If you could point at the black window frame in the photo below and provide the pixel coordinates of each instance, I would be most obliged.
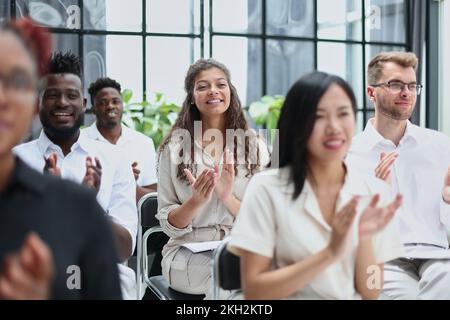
(431, 114)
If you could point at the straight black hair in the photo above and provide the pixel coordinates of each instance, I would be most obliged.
(297, 120)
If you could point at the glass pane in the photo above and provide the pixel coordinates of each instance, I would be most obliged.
(371, 52)
(173, 16)
(168, 60)
(385, 20)
(113, 15)
(290, 17)
(118, 57)
(50, 13)
(244, 63)
(4, 11)
(246, 16)
(359, 122)
(65, 42)
(94, 60)
(339, 19)
(287, 61)
(344, 60)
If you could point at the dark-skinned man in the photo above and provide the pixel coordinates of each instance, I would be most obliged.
(107, 106)
(63, 150)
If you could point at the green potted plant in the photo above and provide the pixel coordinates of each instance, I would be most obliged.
(266, 112)
(153, 118)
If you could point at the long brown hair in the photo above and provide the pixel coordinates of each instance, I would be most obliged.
(234, 116)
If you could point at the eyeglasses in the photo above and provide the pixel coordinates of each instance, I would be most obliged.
(18, 82)
(396, 87)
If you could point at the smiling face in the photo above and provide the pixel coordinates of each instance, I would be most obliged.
(396, 106)
(333, 128)
(108, 108)
(62, 105)
(212, 92)
(18, 78)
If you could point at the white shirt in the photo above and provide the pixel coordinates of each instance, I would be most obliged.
(117, 194)
(135, 146)
(418, 174)
(272, 224)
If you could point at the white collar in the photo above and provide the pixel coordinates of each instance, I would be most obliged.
(353, 185)
(95, 134)
(370, 137)
(44, 143)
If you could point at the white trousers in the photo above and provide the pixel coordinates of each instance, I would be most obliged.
(127, 282)
(410, 279)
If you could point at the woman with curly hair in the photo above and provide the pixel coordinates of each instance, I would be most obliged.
(205, 163)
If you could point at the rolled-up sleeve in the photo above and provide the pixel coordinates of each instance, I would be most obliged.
(167, 196)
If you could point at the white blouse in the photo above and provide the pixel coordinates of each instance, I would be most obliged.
(270, 223)
(213, 220)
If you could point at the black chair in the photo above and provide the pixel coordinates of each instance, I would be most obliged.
(147, 209)
(150, 242)
(226, 271)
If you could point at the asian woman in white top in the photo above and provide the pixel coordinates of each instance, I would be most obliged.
(203, 170)
(314, 229)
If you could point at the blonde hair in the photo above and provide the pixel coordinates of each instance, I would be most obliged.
(375, 68)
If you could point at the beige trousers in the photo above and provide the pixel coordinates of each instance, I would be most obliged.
(192, 273)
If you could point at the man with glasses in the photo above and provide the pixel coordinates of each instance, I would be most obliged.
(414, 161)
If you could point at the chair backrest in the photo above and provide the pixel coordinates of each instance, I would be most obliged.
(148, 207)
(226, 270)
(149, 231)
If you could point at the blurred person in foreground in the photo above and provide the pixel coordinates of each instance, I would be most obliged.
(54, 240)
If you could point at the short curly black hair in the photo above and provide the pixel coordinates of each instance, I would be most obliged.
(66, 62)
(100, 84)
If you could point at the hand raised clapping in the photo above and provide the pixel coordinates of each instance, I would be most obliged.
(93, 175)
(225, 181)
(28, 273)
(50, 165)
(384, 168)
(341, 225)
(202, 186)
(373, 219)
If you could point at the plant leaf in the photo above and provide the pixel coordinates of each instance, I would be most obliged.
(127, 94)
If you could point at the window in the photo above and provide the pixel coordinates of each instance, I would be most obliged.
(444, 76)
(147, 45)
(276, 42)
